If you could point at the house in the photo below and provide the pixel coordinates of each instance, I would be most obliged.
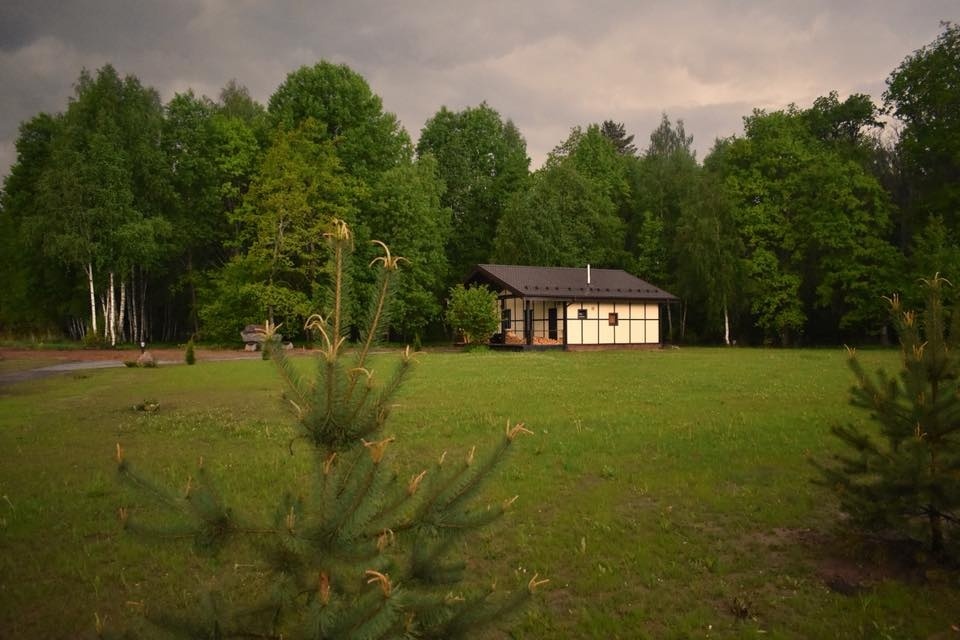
(574, 308)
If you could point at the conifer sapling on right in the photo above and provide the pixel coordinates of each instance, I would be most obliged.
(901, 474)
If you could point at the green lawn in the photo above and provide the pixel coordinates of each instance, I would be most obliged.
(666, 494)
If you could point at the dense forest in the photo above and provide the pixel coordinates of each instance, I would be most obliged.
(127, 219)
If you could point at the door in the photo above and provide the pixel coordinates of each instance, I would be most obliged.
(552, 323)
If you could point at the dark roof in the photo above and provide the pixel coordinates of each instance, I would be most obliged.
(567, 283)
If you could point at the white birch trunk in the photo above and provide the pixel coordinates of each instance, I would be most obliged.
(669, 323)
(123, 307)
(726, 323)
(93, 297)
(132, 301)
(143, 308)
(112, 310)
(104, 316)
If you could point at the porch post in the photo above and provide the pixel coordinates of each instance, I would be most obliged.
(527, 322)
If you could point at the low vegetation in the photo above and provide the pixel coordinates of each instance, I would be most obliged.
(666, 494)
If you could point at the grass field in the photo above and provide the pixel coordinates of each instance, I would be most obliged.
(666, 494)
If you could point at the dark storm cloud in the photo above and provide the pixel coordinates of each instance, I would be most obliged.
(546, 65)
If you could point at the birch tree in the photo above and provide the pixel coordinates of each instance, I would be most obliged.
(104, 190)
(709, 250)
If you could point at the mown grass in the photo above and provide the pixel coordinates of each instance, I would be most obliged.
(666, 494)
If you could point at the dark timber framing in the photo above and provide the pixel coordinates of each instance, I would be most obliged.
(574, 308)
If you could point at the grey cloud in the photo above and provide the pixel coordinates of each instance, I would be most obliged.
(546, 65)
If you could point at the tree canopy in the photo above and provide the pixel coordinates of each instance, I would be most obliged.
(131, 219)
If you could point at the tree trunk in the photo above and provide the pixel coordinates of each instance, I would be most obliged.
(112, 310)
(936, 530)
(669, 323)
(143, 307)
(683, 323)
(93, 297)
(123, 308)
(193, 295)
(132, 303)
(104, 316)
(726, 323)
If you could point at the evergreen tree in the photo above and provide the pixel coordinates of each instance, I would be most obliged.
(365, 554)
(908, 479)
(617, 134)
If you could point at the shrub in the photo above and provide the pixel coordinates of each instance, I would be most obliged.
(190, 357)
(472, 312)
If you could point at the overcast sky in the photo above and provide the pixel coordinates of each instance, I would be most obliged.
(547, 65)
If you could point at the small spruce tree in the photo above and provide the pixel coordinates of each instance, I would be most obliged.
(901, 474)
(190, 356)
(366, 554)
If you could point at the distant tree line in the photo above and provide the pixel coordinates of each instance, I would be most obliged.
(127, 219)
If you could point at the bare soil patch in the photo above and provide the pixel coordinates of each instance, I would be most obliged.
(101, 355)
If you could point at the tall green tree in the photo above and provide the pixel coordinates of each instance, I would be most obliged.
(239, 135)
(563, 219)
(663, 179)
(38, 294)
(197, 216)
(595, 156)
(568, 214)
(406, 212)
(482, 161)
(368, 140)
(105, 191)
(923, 92)
(281, 271)
(213, 150)
(709, 253)
(845, 123)
(815, 226)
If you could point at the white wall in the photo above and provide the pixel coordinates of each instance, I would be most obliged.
(636, 323)
(541, 314)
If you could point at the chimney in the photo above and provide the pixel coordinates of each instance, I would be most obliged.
(588, 274)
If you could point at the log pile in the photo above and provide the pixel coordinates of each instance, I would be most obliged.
(512, 338)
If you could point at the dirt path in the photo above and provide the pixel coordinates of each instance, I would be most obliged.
(67, 360)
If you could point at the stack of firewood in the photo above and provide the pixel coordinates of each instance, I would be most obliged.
(511, 338)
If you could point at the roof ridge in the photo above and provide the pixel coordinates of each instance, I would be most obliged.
(530, 266)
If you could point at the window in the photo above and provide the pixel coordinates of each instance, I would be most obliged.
(505, 320)
(613, 319)
(581, 314)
